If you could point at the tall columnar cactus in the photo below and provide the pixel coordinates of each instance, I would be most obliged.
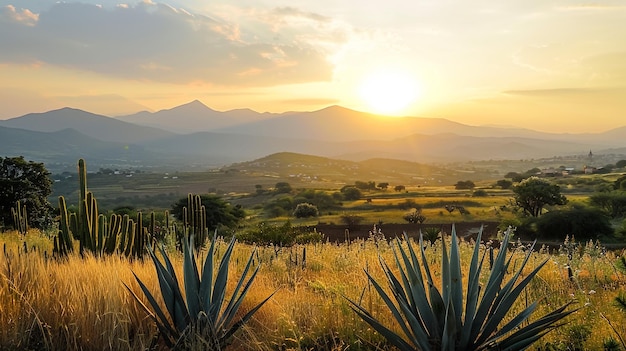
(63, 242)
(197, 220)
(20, 218)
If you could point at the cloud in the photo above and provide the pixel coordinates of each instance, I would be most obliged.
(157, 42)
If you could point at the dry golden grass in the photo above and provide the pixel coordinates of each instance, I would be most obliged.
(81, 303)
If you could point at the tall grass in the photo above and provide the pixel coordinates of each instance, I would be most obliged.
(81, 303)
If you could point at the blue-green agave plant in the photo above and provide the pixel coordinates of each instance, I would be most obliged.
(446, 320)
(202, 316)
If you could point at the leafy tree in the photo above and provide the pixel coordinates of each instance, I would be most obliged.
(321, 199)
(365, 185)
(620, 164)
(613, 203)
(351, 220)
(218, 211)
(399, 188)
(351, 193)
(533, 194)
(305, 210)
(583, 223)
(28, 182)
(282, 188)
(383, 185)
(504, 183)
(281, 206)
(464, 184)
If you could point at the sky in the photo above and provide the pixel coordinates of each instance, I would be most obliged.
(549, 65)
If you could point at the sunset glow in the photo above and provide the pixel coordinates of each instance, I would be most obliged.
(549, 66)
(389, 93)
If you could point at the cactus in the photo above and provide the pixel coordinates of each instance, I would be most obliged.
(20, 218)
(96, 234)
(63, 241)
(196, 220)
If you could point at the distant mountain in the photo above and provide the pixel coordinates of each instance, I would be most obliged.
(67, 146)
(90, 124)
(334, 132)
(194, 117)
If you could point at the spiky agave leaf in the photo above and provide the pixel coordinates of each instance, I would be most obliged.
(479, 326)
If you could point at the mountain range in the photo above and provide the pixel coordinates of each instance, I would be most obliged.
(196, 135)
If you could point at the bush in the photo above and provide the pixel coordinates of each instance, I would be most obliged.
(305, 210)
(583, 223)
(351, 193)
(479, 193)
(415, 216)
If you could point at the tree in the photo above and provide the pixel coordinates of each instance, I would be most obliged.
(383, 185)
(620, 164)
(351, 220)
(504, 183)
(371, 185)
(464, 184)
(533, 194)
(612, 203)
(29, 183)
(282, 188)
(351, 193)
(218, 211)
(305, 210)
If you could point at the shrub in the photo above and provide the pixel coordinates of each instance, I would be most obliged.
(415, 216)
(583, 223)
(305, 210)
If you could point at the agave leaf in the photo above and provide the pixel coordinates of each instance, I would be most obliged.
(171, 294)
(206, 283)
(411, 316)
(245, 318)
(236, 297)
(448, 339)
(508, 286)
(388, 334)
(415, 288)
(392, 307)
(473, 292)
(509, 298)
(418, 289)
(191, 279)
(493, 288)
(544, 323)
(158, 316)
(456, 281)
(219, 285)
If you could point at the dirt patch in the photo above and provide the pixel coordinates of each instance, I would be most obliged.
(341, 233)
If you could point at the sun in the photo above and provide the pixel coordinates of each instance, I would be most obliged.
(389, 93)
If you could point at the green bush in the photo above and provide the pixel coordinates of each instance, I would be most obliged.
(583, 223)
(306, 210)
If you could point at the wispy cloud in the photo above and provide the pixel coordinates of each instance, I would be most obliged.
(158, 42)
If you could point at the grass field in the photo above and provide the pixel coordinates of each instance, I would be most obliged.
(81, 303)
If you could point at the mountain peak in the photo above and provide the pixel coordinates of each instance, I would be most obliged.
(195, 105)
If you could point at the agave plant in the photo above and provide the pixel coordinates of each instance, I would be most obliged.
(446, 320)
(201, 316)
